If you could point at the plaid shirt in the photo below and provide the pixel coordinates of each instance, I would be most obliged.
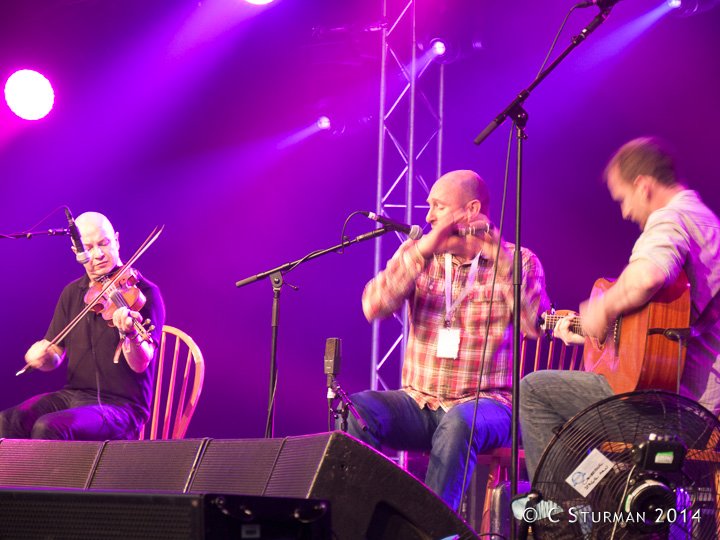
(442, 382)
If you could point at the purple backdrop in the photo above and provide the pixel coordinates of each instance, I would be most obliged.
(186, 113)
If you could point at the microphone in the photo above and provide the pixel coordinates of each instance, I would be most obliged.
(333, 354)
(413, 231)
(81, 254)
(602, 4)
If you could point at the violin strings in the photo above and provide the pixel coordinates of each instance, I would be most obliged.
(110, 283)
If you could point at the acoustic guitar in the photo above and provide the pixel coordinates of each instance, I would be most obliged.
(637, 354)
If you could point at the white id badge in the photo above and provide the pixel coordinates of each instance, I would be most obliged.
(448, 342)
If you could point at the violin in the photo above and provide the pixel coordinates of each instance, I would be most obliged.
(104, 293)
(107, 295)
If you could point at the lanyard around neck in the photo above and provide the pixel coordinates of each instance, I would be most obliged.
(450, 306)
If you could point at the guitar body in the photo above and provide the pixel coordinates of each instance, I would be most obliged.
(631, 358)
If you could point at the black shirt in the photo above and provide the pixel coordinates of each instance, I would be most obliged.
(91, 345)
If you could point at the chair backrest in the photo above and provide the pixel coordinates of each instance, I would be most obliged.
(548, 352)
(543, 352)
(179, 378)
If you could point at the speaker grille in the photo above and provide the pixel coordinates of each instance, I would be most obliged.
(144, 465)
(33, 463)
(297, 466)
(370, 496)
(237, 466)
(90, 516)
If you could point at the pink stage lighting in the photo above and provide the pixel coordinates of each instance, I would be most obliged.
(258, 2)
(438, 47)
(29, 94)
(323, 123)
(687, 8)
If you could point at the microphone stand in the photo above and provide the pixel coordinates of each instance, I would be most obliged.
(515, 106)
(276, 277)
(29, 235)
(346, 404)
(519, 118)
(682, 336)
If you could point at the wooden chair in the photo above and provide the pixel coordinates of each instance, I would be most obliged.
(536, 354)
(178, 383)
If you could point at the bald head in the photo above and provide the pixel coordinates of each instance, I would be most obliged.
(101, 241)
(94, 220)
(462, 186)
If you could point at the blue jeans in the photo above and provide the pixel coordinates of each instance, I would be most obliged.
(395, 421)
(68, 415)
(550, 398)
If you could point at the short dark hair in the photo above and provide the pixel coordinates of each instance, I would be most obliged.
(644, 156)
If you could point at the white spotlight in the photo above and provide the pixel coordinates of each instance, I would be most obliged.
(323, 122)
(438, 47)
(29, 94)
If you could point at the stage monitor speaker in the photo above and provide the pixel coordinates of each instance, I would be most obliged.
(62, 464)
(237, 466)
(371, 497)
(165, 465)
(60, 515)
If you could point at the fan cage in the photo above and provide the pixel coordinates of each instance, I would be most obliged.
(624, 497)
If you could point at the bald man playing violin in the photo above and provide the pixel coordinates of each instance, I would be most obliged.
(109, 368)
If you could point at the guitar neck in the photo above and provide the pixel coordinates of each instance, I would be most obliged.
(575, 324)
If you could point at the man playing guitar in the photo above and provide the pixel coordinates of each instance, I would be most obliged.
(679, 233)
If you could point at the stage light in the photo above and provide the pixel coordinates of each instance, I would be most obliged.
(258, 2)
(438, 47)
(686, 8)
(448, 29)
(323, 123)
(29, 94)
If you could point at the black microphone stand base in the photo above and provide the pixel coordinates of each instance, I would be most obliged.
(335, 391)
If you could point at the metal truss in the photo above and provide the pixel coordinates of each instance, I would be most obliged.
(409, 159)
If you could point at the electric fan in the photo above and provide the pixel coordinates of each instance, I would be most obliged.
(642, 465)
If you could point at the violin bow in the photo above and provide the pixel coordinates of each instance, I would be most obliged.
(110, 283)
